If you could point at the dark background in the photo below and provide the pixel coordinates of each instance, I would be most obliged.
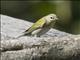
(68, 12)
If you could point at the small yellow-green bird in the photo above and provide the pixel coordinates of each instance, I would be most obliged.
(41, 26)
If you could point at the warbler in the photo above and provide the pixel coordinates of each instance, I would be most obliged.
(42, 26)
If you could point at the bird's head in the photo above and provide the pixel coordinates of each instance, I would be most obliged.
(51, 17)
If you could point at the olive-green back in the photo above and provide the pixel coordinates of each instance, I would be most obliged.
(39, 24)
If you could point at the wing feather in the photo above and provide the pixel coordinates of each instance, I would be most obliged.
(39, 24)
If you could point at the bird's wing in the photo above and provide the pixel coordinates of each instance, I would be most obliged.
(39, 24)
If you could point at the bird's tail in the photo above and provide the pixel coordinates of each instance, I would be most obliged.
(24, 34)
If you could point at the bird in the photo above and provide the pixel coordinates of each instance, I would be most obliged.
(41, 26)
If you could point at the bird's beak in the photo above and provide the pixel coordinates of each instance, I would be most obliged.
(56, 18)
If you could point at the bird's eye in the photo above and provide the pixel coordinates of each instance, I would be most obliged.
(51, 17)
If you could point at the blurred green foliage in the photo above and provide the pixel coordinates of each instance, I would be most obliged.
(28, 10)
(67, 11)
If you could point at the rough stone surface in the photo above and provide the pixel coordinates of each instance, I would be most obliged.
(54, 45)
